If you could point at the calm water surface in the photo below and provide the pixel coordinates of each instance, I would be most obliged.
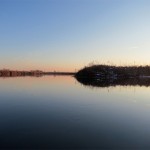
(60, 113)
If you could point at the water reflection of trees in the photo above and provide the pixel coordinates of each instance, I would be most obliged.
(120, 82)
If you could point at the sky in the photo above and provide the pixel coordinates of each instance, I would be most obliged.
(66, 35)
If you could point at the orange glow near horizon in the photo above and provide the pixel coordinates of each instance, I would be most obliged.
(59, 66)
(65, 67)
(46, 68)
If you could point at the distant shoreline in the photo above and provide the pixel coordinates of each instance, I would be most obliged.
(15, 73)
(59, 73)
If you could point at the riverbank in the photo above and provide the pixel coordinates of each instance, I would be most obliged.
(104, 72)
(105, 76)
(12, 73)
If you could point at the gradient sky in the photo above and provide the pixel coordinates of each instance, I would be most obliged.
(65, 35)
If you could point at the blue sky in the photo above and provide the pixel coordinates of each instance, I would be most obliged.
(68, 34)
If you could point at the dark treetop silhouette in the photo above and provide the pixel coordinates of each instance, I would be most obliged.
(104, 75)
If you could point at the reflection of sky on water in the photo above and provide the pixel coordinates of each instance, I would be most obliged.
(56, 112)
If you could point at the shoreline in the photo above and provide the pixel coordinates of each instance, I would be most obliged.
(105, 76)
(106, 72)
(12, 73)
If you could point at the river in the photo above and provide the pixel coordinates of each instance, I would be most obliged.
(58, 112)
